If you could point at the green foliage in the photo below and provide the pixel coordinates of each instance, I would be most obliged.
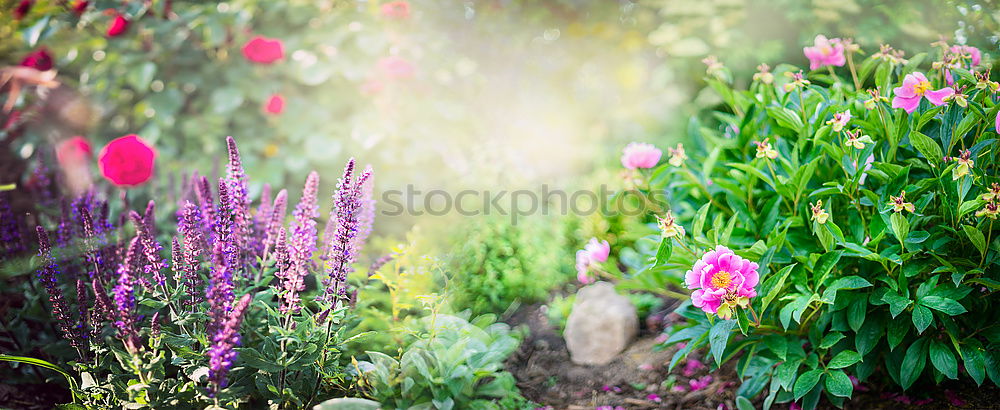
(496, 263)
(454, 364)
(883, 271)
(558, 310)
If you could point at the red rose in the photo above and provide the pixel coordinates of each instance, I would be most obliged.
(73, 151)
(399, 10)
(39, 59)
(118, 26)
(275, 105)
(23, 8)
(80, 6)
(127, 161)
(264, 50)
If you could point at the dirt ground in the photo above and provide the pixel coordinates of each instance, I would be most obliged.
(635, 380)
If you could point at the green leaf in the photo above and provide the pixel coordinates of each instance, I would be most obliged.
(830, 339)
(927, 146)
(869, 334)
(742, 403)
(849, 282)
(922, 318)
(663, 252)
(806, 382)
(976, 236)
(825, 264)
(772, 287)
(838, 384)
(785, 117)
(900, 226)
(785, 373)
(897, 331)
(844, 359)
(975, 365)
(718, 337)
(896, 303)
(141, 75)
(913, 363)
(943, 304)
(943, 359)
(42, 363)
(225, 100)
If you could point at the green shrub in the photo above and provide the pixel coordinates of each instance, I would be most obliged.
(496, 263)
(875, 244)
(455, 364)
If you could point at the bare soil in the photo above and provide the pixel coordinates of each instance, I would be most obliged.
(635, 380)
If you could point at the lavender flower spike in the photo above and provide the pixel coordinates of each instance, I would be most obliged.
(276, 218)
(222, 354)
(302, 244)
(153, 262)
(239, 198)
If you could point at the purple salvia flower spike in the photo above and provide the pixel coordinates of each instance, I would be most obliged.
(190, 227)
(153, 264)
(302, 243)
(343, 252)
(240, 200)
(124, 300)
(222, 353)
(276, 218)
(10, 230)
(48, 274)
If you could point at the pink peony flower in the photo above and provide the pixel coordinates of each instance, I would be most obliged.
(916, 86)
(396, 67)
(275, 104)
(700, 383)
(594, 252)
(692, 366)
(127, 161)
(39, 59)
(118, 26)
(974, 55)
(263, 50)
(721, 280)
(825, 52)
(73, 152)
(398, 10)
(640, 155)
(997, 121)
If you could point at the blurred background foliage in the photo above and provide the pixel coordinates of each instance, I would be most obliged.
(498, 94)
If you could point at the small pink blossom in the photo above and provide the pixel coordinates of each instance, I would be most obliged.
(997, 123)
(640, 155)
(794, 406)
(721, 281)
(396, 10)
(916, 86)
(645, 367)
(700, 383)
(653, 397)
(840, 120)
(825, 52)
(275, 104)
(974, 55)
(593, 253)
(396, 67)
(692, 366)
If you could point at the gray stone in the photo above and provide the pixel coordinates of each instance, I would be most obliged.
(601, 325)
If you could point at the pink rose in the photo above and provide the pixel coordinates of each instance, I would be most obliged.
(275, 104)
(73, 152)
(127, 161)
(118, 26)
(398, 10)
(593, 253)
(263, 50)
(39, 59)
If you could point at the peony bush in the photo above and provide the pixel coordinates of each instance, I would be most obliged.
(836, 226)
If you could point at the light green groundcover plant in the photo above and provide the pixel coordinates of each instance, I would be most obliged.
(873, 231)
